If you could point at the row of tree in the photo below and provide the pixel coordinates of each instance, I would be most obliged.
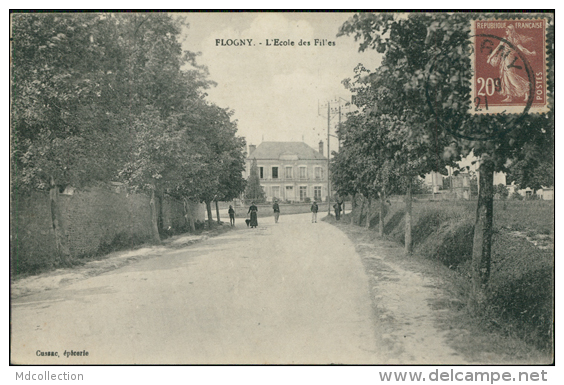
(113, 97)
(413, 119)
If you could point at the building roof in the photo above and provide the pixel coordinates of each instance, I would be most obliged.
(277, 150)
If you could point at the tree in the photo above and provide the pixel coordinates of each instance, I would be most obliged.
(361, 166)
(223, 152)
(254, 190)
(158, 151)
(231, 159)
(431, 99)
(101, 97)
(502, 191)
(534, 163)
(407, 140)
(164, 100)
(60, 133)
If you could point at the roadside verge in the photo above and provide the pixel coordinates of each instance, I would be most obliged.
(65, 276)
(421, 310)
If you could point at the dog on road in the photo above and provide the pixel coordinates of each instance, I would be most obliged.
(248, 222)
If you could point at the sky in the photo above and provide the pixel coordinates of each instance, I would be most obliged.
(275, 90)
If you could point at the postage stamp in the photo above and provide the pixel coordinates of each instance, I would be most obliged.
(509, 66)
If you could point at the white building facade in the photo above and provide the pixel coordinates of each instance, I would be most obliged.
(290, 171)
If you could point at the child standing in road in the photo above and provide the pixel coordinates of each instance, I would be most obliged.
(276, 209)
(231, 215)
(314, 210)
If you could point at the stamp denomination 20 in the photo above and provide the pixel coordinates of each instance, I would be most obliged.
(509, 66)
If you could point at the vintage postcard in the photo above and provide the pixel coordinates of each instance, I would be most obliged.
(232, 188)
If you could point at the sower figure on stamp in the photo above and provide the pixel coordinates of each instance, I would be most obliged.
(231, 215)
(504, 57)
(276, 209)
(253, 211)
(314, 209)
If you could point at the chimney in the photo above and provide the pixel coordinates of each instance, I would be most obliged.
(321, 147)
(252, 148)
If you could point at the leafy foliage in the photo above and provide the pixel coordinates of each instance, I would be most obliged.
(99, 97)
(429, 97)
(502, 191)
(416, 108)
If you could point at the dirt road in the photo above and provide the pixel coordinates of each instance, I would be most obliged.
(292, 292)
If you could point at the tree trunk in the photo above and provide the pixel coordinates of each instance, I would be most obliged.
(483, 229)
(381, 219)
(217, 211)
(160, 216)
(408, 206)
(154, 218)
(57, 222)
(360, 208)
(210, 219)
(368, 204)
(353, 209)
(188, 215)
(192, 224)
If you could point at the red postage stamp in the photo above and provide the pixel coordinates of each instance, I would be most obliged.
(509, 66)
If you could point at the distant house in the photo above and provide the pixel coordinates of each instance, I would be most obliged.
(545, 193)
(460, 186)
(434, 180)
(499, 178)
(290, 171)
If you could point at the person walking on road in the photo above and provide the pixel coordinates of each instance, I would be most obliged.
(253, 211)
(276, 209)
(231, 215)
(337, 207)
(314, 209)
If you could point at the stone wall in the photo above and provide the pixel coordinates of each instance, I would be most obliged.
(32, 239)
(95, 220)
(98, 215)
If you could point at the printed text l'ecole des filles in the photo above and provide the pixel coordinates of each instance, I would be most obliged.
(273, 43)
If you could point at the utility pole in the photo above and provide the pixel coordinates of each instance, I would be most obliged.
(338, 138)
(338, 101)
(328, 158)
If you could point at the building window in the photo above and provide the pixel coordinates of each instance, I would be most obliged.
(261, 172)
(289, 193)
(318, 173)
(303, 193)
(276, 191)
(303, 172)
(274, 172)
(317, 193)
(288, 172)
